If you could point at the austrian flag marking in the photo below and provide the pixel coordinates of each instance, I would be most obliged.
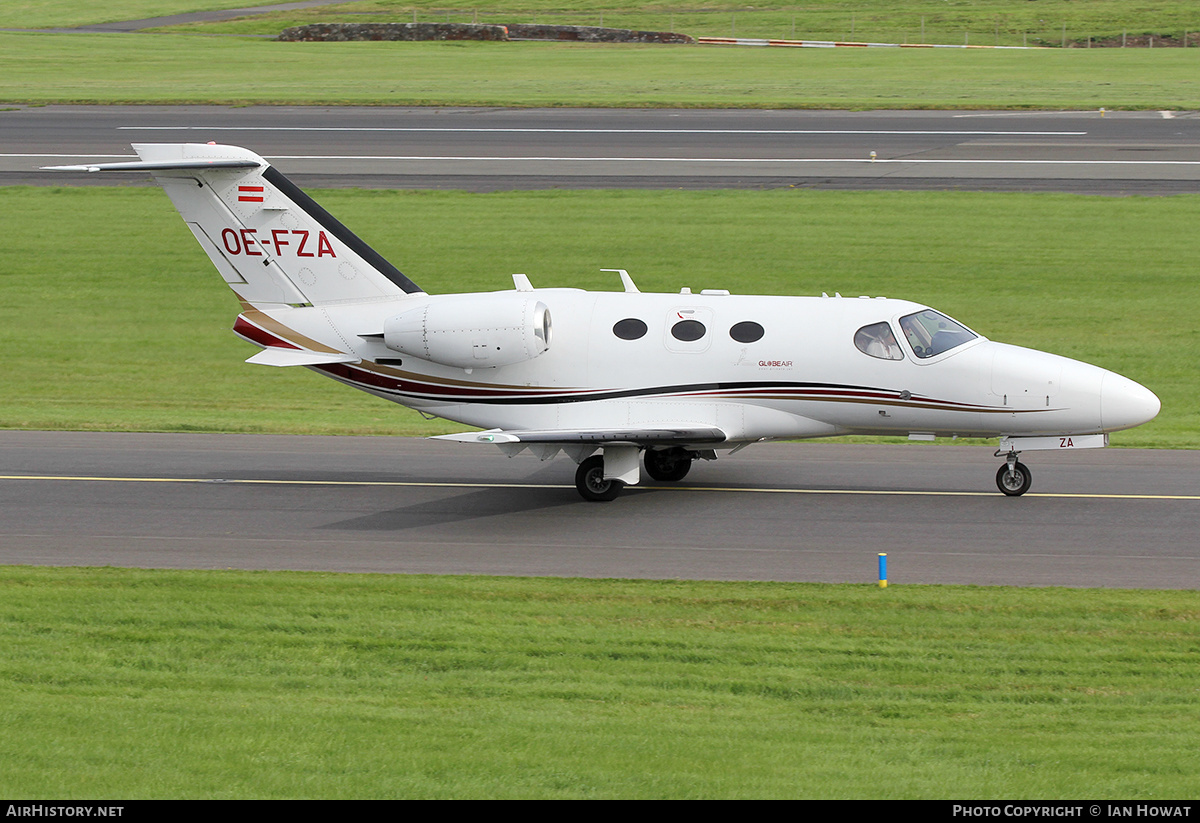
(250, 194)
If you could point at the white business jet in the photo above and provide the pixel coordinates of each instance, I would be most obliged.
(617, 378)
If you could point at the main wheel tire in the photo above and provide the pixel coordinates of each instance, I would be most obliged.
(1016, 482)
(589, 480)
(668, 465)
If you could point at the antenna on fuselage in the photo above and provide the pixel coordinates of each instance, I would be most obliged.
(630, 286)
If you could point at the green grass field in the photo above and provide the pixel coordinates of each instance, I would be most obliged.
(141, 68)
(121, 323)
(984, 22)
(136, 684)
(178, 68)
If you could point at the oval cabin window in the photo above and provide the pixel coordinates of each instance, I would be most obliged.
(688, 330)
(629, 329)
(746, 332)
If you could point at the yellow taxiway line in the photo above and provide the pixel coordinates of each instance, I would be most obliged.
(481, 485)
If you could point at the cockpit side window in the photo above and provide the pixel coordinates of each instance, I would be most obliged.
(930, 333)
(877, 340)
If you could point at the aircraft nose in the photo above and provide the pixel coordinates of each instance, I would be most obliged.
(1125, 404)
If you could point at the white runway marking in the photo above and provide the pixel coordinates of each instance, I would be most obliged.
(73, 156)
(402, 158)
(878, 161)
(1027, 114)
(445, 129)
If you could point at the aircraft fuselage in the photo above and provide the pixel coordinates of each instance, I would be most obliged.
(803, 377)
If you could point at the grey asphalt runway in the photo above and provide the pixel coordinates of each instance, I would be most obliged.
(487, 149)
(786, 511)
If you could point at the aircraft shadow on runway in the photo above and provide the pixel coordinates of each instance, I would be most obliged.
(471, 505)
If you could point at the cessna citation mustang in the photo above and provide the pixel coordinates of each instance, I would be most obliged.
(618, 376)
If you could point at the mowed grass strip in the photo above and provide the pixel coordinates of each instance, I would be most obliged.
(140, 68)
(979, 22)
(984, 22)
(132, 683)
(117, 321)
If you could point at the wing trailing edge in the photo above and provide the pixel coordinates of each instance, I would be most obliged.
(680, 434)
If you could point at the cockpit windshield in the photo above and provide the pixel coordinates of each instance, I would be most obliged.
(930, 333)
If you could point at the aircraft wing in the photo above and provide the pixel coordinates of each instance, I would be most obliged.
(663, 435)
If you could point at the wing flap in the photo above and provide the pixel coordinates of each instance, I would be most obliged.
(667, 434)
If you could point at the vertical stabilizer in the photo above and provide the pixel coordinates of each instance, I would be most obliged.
(270, 241)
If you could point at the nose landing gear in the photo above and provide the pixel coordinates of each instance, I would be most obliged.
(1014, 477)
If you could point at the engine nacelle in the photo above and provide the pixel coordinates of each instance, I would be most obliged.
(472, 331)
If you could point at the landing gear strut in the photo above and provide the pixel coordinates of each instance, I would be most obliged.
(601, 477)
(1014, 477)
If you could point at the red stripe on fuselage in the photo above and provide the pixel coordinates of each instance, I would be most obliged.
(262, 337)
(368, 377)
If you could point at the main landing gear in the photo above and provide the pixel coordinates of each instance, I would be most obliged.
(589, 480)
(1014, 477)
(668, 465)
(665, 465)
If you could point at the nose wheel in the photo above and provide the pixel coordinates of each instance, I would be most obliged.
(1014, 477)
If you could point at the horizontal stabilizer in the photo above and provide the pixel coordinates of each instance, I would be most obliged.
(649, 436)
(149, 165)
(299, 357)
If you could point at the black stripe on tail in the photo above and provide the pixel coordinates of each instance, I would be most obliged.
(334, 227)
